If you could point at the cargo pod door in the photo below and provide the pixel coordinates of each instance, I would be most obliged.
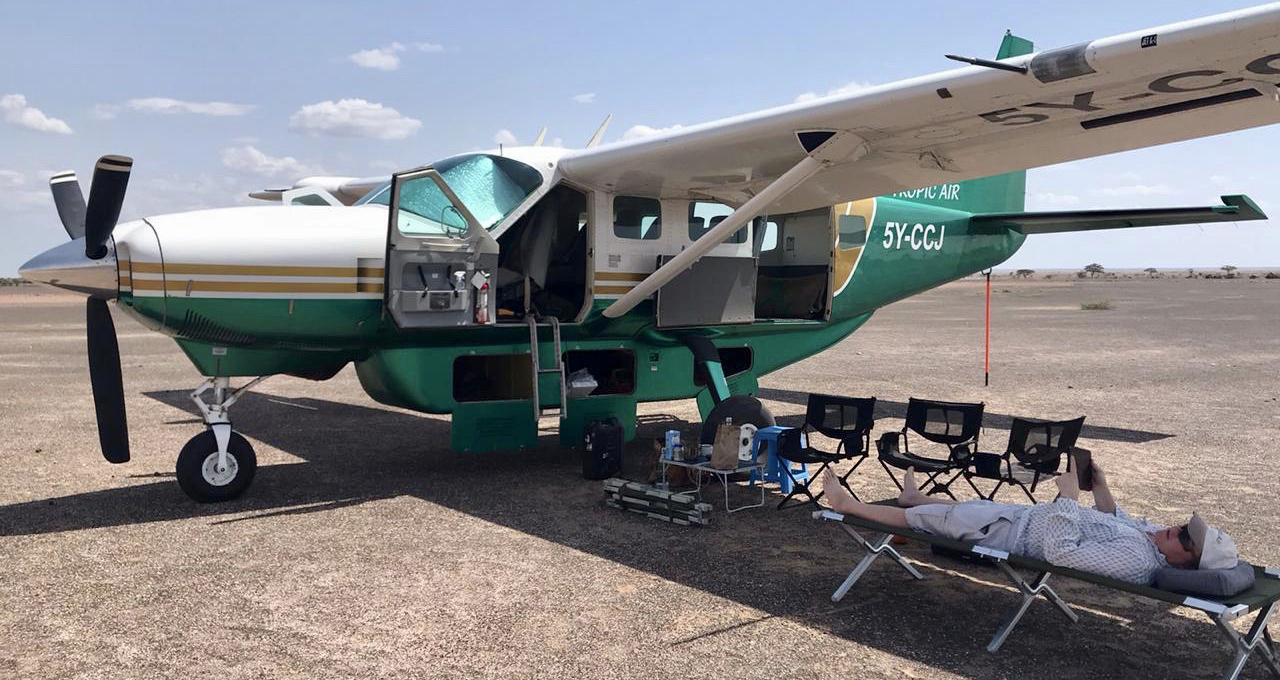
(720, 288)
(440, 255)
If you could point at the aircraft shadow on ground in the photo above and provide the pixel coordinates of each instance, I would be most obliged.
(781, 563)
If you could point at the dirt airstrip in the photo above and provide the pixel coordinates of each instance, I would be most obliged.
(367, 549)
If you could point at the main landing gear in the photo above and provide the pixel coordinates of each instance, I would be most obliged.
(217, 464)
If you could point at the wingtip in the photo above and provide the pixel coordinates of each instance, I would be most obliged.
(1245, 207)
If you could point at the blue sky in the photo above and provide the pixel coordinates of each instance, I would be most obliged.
(214, 99)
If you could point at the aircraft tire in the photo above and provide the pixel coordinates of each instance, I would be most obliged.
(742, 409)
(200, 480)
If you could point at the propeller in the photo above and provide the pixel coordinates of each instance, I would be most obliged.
(107, 382)
(106, 195)
(94, 223)
(70, 202)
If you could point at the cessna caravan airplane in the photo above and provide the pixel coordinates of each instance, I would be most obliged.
(505, 286)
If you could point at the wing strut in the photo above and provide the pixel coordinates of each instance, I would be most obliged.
(841, 147)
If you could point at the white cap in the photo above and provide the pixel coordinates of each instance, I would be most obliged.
(1217, 550)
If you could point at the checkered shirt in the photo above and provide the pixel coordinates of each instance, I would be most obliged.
(1117, 546)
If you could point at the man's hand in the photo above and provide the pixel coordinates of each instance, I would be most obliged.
(1068, 485)
(1099, 477)
(1102, 498)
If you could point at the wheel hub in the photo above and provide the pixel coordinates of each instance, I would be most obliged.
(210, 470)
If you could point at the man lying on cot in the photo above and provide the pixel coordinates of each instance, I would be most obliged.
(1105, 540)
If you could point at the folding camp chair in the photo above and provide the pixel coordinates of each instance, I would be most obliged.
(1260, 598)
(951, 424)
(1036, 451)
(848, 419)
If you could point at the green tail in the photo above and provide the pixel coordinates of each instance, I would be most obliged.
(1001, 193)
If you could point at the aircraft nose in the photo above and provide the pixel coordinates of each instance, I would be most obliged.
(66, 267)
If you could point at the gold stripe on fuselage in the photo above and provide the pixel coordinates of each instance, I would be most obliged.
(613, 290)
(621, 276)
(177, 268)
(181, 287)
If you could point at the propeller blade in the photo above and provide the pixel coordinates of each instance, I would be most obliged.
(108, 384)
(70, 202)
(106, 195)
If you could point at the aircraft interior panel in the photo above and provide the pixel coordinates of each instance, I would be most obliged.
(795, 266)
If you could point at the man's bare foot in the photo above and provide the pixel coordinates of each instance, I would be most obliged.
(911, 495)
(837, 496)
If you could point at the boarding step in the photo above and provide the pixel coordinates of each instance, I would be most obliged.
(538, 371)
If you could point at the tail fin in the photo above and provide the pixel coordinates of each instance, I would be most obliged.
(998, 194)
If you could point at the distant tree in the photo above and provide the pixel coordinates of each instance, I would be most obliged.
(1094, 269)
(1151, 271)
(1230, 269)
(1024, 273)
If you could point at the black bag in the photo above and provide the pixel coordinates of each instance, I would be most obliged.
(602, 449)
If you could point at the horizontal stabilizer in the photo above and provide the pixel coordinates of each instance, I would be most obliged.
(1234, 209)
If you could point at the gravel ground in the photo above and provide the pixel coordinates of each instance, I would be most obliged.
(366, 549)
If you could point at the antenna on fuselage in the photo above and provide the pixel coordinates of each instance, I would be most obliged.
(542, 134)
(599, 135)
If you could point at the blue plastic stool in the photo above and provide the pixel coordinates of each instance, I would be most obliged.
(773, 471)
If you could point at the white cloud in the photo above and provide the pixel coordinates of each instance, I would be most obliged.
(505, 137)
(1136, 190)
(353, 118)
(14, 109)
(429, 47)
(584, 98)
(836, 92)
(381, 58)
(1219, 180)
(168, 106)
(1050, 199)
(638, 131)
(181, 192)
(558, 142)
(15, 194)
(250, 160)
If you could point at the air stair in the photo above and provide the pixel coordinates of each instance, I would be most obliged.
(538, 371)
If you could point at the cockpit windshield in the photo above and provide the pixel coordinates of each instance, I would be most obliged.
(489, 186)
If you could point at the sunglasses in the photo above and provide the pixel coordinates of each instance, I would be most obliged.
(1184, 538)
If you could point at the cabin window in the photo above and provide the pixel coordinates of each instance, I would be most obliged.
(853, 231)
(636, 217)
(705, 215)
(767, 234)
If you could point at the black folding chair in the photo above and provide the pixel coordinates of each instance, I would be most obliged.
(1036, 451)
(847, 419)
(955, 425)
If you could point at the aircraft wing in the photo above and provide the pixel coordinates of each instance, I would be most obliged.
(1181, 81)
(1234, 209)
(348, 190)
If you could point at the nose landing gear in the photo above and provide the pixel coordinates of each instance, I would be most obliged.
(217, 464)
